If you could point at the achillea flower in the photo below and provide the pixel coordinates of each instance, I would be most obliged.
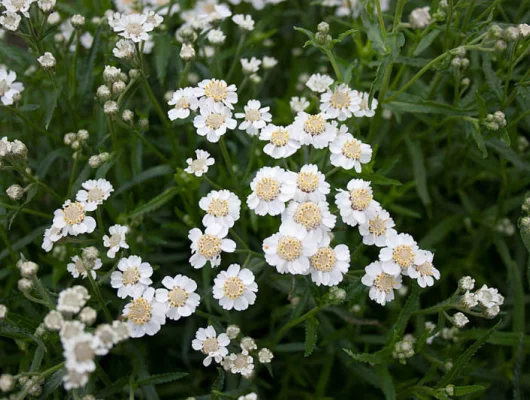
(381, 284)
(235, 288)
(179, 296)
(132, 277)
(212, 345)
(145, 315)
(222, 207)
(269, 193)
(209, 246)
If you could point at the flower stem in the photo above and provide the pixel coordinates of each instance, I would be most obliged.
(72, 176)
(236, 57)
(293, 323)
(99, 298)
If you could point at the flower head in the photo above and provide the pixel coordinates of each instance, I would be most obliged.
(179, 296)
(222, 207)
(357, 205)
(209, 245)
(283, 142)
(255, 117)
(210, 344)
(116, 240)
(314, 129)
(200, 165)
(269, 192)
(339, 103)
(213, 121)
(132, 277)
(319, 83)
(348, 152)
(381, 284)
(94, 193)
(183, 100)
(235, 288)
(145, 315)
(400, 254)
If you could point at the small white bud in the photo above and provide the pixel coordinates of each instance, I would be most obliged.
(7, 382)
(118, 88)
(15, 192)
(460, 320)
(232, 331)
(127, 116)
(466, 283)
(111, 74)
(25, 285)
(77, 21)
(103, 93)
(47, 60)
(28, 269)
(94, 161)
(110, 107)
(187, 52)
(82, 135)
(265, 356)
(3, 311)
(87, 315)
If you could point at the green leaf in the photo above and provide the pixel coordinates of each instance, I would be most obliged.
(400, 325)
(311, 335)
(52, 105)
(414, 104)
(373, 32)
(155, 203)
(464, 358)
(150, 173)
(15, 332)
(29, 107)
(440, 231)
(473, 130)
(219, 383)
(52, 383)
(426, 42)
(30, 194)
(160, 378)
(465, 390)
(377, 179)
(378, 357)
(88, 76)
(494, 82)
(162, 52)
(387, 384)
(306, 32)
(418, 166)
(114, 388)
(509, 154)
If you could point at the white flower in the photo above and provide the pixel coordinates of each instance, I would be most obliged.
(460, 320)
(94, 193)
(269, 62)
(269, 192)
(132, 26)
(319, 83)
(235, 288)
(153, 18)
(255, 116)
(80, 267)
(187, 52)
(214, 121)
(208, 246)
(420, 17)
(491, 312)
(340, 103)
(87, 315)
(217, 91)
(133, 277)
(328, 265)
(423, 269)
(314, 129)
(212, 345)
(47, 60)
(298, 104)
(248, 344)
(124, 49)
(364, 110)
(54, 320)
(116, 240)
(21, 6)
(283, 143)
(312, 217)
(144, 314)
(179, 296)
(232, 331)
(469, 300)
(46, 5)
(376, 230)
(70, 330)
(72, 300)
(86, 40)
(524, 30)
(199, 166)
(79, 353)
(211, 10)
(245, 22)
(489, 297)
(106, 338)
(308, 185)
(289, 250)
(265, 356)
(357, 204)
(381, 284)
(72, 219)
(9, 89)
(241, 363)
(466, 283)
(183, 100)
(222, 207)
(10, 21)
(75, 380)
(348, 152)
(399, 255)
(216, 36)
(51, 235)
(252, 395)
(250, 66)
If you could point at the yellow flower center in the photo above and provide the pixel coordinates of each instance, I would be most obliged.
(74, 213)
(377, 226)
(360, 199)
(307, 182)
(183, 103)
(95, 194)
(139, 311)
(252, 115)
(241, 361)
(315, 125)
(215, 121)
(134, 28)
(80, 266)
(340, 100)
(384, 282)
(209, 246)
(289, 248)
(218, 208)
(131, 276)
(210, 345)
(216, 90)
(403, 255)
(268, 189)
(177, 297)
(280, 137)
(324, 260)
(233, 288)
(425, 269)
(83, 351)
(309, 215)
(352, 149)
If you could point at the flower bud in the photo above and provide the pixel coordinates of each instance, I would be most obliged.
(25, 285)
(7, 382)
(496, 31)
(103, 93)
(127, 116)
(460, 320)
(94, 162)
(134, 74)
(82, 135)
(90, 253)
(77, 21)
(15, 192)
(28, 269)
(47, 60)
(118, 88)
(19, 149)
(511, 34)
(466, 283)
(3, 311)
(500, 46)
(46, 5)
(323, 27)
(111, 74)
(110, 107)
(187, 52)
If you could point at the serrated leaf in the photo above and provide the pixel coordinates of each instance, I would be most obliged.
(465, 390)
(311, 336)
(494, 82)
(473, 130)
(219, 383)
(378, 357)
(160, 378)
(14, 332)
(155, 203)
(426, 42)
(306, 32)
(401, 324)
(386, 382)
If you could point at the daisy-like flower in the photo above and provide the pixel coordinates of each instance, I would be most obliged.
(183, 101)
(124, 49)
(80, 352)
(423, 269)
(51, 235)
(283, 143)
(489, 297)
(9, 89)
(255, 117)
(116, 240)
(135, 27)
(179, 295)
(241, 363)
(314, 129)
(269, 192)
(250, 66)
(144, 314)
(211, 10)
(245, 22)
(133, 277)
(319, 83)
(72, 219)
(72, 300)
(20, 6)
(328, 265)
(308, 185)
(357, 204)
(269, 62)
(10, 21)
(339, 103)
(364, 110)
(200, 165)
(80, 267)
(289, 250)
(399, 255)
(298, 104)
(235, 288)
(213, 121)
(94, 193)
(348, 152)
(218, 91)
(209, 245)
(212, 345)
(222, 207)
(381, 284)
(376, 230)
(313, 217)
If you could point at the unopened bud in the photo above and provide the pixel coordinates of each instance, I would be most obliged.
(15, 192)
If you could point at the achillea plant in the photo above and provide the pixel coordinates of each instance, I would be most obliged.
(266, 199)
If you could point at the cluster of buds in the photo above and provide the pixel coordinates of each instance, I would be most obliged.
(460, 61)
(485, 300)
(30, 385)
(495, 121)
(322, 35)
(76, 140)
(505, 226)
(115, 85)
(46, 6)
(12, 151)
(441, 13)
(98, 160)
(404, 349)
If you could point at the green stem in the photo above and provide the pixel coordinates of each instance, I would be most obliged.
(228, 162)
(183, 81)
(100, 221)
(26, 210)
(380, 18)
(215, 185)
(99, 298)
(293, 323)
(43, 293)
(238, 238)
(334, 64)
(236, 56)
(152, 147)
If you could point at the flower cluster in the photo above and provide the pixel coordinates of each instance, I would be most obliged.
(485, 301)
(10, 90)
